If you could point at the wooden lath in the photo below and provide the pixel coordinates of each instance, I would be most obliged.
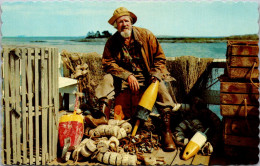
(30, 104)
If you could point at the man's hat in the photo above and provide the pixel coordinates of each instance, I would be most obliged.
(121, 11)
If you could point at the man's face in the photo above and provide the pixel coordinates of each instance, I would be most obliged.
(124, 26)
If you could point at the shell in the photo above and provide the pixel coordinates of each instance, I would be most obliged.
(101, 129)
(132, 159)
(112, 158)
(85, 152)
(121, 133)
(103, 146)
(127, 126)
(119, 159)
(91, 145)
(106, 157)
(113, 142)
(100, 156)
(125, 159)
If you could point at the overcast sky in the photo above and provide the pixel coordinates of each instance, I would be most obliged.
(175, 18)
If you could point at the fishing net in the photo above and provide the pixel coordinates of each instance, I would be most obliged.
(87, 69)
(191, 73)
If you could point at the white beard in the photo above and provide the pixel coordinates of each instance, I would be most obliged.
(126, 33)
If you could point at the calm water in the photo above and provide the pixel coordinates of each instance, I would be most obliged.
(202, 50)
(214, 50)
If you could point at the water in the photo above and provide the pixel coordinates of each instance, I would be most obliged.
(201, 50)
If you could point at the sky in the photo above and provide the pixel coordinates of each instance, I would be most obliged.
(172, 18)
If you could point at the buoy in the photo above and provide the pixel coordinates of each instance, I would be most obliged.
(195, 144)
(146, 104)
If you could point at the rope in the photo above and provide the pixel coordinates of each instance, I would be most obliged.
(213, 83)
(251, 73)
(247, 124)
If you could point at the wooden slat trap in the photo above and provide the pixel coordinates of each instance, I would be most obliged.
(30, 104)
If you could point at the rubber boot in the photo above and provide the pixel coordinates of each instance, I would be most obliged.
(168, 143)
(104, 109)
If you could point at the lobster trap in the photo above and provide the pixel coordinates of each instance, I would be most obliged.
(29, 105)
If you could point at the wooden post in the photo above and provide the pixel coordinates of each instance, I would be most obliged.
(13, 119)
(24, 105)
(36, 105)
(50, 102)
(29, 75)
(56, 101)
(43, 103)
(18, 108)
(7, 109)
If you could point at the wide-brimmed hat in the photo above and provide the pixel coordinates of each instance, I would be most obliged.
(121, 11)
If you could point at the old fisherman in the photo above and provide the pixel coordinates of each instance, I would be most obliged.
(133, 57)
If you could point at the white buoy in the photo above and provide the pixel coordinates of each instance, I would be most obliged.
(195, 144)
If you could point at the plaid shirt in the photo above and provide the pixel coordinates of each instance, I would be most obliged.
(133, 60)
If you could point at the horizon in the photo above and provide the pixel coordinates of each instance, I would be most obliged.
(155, 35)
(171, 18)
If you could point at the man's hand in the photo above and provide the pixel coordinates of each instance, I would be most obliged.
(133, 83)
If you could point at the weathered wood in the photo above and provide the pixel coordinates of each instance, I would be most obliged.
(252, 99)
(7, 108)
(241, 141)
(21, 97)
(241, 127)
(18, 109)
(29, 76)
(245, 73)
(56, 101)
(238, 87)
(50, 90)
(240, 61)
(239, 110)
(36, 92)
(243, 42)
(200, 160)
(24, 126)
(13, 109)
(44, 104)
(167, 156)
(244, 50)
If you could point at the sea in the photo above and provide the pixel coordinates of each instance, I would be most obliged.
(200, 50)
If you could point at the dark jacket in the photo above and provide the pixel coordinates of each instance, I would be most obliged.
(150, 49)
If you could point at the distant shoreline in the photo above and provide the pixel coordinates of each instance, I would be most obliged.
(172, 40)
(161, 39)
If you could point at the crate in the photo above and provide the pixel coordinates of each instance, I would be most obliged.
(30, 105)
(239, 95)
(242, 59)
(240, 137)
(238, 98)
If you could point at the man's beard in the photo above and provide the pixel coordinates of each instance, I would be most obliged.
(126, 33)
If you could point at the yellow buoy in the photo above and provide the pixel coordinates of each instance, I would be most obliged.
(146, 103)
(195, 144)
